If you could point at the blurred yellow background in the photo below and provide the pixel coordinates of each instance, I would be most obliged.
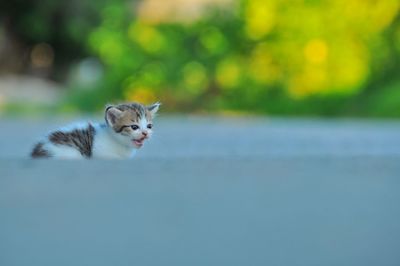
(306, 57)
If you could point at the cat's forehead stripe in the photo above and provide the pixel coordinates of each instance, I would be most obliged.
(137, 110)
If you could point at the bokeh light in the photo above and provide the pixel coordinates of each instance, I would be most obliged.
(245, 55)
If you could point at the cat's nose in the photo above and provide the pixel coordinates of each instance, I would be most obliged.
(145, 133)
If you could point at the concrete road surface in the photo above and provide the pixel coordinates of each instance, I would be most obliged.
(208, 191)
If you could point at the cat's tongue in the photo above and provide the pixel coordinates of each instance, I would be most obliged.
(138, 142)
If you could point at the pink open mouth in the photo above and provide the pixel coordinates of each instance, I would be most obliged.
(138, 142)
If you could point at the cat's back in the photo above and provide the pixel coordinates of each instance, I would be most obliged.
(72, 142)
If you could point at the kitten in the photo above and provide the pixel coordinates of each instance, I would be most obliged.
(126, 128)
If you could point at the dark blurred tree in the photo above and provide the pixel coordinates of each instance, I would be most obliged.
(63, 25)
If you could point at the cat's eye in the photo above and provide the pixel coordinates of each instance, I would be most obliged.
(135, 127)
(150, 126)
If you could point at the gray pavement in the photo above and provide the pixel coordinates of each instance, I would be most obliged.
(193, 137)
(208, 191)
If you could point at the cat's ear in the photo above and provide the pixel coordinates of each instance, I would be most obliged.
(112, 115)
(153, 108)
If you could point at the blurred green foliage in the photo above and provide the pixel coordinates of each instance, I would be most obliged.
(310, 57)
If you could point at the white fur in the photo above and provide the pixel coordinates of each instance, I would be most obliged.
(108, 145)
(62, 152)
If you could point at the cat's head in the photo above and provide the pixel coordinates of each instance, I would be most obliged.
(132, 123)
